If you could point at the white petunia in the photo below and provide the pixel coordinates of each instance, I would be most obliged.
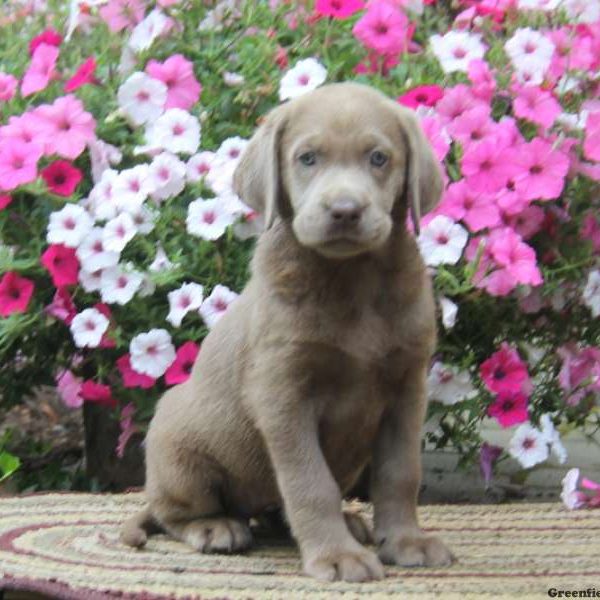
(161, 262)
(144, 219)
(528, 445)
(530, 70)
(448, 384)
(92, 254)
(152, 353)
(176, 131)
(146, 31)
(249, 226)
(208, 219)
(233, 79)
(546, 5)
(527, 43)
(442, 241)
(103, 203)
(306, 75)
(69, 226)
(456, 49)
(118, 285)
(220, 176)
(214, 307)
(168, 175)
(90, 280)
(88, 327)
(147, 288)
(591, 293)
(199, 165)
(553, 438)
(141, 98)
(571, 497)
(449, 311)
(132, 187)
(232, 148)
(582, 11)
(118, 232)
(188, 297)
(102, 156)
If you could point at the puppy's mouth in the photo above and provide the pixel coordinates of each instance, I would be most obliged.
(343, 247)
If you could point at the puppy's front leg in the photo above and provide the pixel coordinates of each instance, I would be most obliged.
(396, 477)
(310, 494)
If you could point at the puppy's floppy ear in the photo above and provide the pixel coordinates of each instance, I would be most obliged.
(257, 178)
(424, 184)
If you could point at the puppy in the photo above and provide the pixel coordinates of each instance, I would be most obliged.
(319, 367)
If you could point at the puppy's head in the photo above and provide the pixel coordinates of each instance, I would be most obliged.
(342, 163)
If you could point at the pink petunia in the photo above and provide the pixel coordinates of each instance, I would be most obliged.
(26, 128)
(41, 70)
(591, 143)
(436, 133)
(15, 293)
(49, 37)
(62, 264)
(580, 371)
(456, 101)
(181, 369)
(488, 455)
(590, 230)
(509, 409)
(422, 95)
(528, 222)
(177, 73)
(62, 306)
(66, 125)
(514, 255)
(61, 177)
(338, 9)
(504, 372)
(541, 170)
(383, 28)
(83, 76)
(128, 428)
(98, 393)
(122, 14)
(69, 389)
(8, 86)
(482, 78)
(478, 211)
(472, 126)
(18, 164)
(131, 378)
(536, 105)
(487, 165)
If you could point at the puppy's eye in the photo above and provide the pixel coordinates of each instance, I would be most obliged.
(378, 159)
(308, 159)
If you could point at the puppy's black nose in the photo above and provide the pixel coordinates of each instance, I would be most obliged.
(345, 212)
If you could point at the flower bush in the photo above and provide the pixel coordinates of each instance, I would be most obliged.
(122, 121)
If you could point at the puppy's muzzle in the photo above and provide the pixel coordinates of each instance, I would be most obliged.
(345, 215)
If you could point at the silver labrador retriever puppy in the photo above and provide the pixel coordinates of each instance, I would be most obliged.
(319, 367)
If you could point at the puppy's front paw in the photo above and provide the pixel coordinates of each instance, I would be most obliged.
(416, 551)
(353, 564)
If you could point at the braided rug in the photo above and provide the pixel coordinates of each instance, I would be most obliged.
(66, 546)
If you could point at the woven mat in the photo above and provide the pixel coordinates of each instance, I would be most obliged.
(66, 546)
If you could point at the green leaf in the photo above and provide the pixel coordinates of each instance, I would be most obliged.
(8, 465)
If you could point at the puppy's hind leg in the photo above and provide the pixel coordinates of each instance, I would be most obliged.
(190, 509)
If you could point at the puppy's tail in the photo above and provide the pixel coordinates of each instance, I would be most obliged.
(136, 529)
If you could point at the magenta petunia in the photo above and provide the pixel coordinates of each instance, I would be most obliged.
(181, 368)
(509, 409)
(62, 264)
(98, 393)
(504, 372)
(49, 37)
(83, 75)
(338, 9)
(41, 70)
(18, 164)
(383, 28)
(15, 293)
(61, 177)
(62, 306)
(177, 73)
(5, 200)
(422, 95)
(131, 378)
(66, 126)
